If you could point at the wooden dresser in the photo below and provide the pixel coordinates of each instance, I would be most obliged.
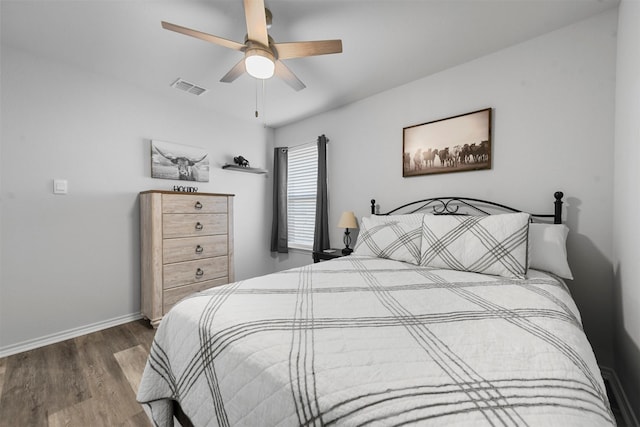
(186, 242)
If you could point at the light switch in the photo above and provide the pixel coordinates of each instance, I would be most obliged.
(60, 186)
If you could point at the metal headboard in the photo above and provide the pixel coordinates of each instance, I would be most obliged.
(453, 205)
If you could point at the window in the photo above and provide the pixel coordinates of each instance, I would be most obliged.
(301, 195)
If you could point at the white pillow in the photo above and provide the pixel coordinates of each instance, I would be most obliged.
(391, 240)
(548, 244)
(493, 244)
(414, 218)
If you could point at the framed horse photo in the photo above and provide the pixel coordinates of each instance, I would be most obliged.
(455, 144)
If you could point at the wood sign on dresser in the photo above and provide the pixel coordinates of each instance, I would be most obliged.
(186, 243)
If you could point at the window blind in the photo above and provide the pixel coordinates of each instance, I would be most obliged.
(301, 195)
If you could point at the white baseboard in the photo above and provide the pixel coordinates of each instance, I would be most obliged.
(621, 398)
(65, 335)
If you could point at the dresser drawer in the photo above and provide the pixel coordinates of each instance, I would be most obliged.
(173, 296)
(190, 225)
(182, 203)
(183, 273)
(192, 248)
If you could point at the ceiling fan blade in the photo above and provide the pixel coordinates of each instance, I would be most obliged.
(203, 36)
(287, 75)
(256, 21)
(234, 72)
(313, 48)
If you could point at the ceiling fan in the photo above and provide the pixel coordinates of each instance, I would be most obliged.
(262, 56)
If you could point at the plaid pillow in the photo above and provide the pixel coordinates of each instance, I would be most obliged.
(391, 240)
(494, 244)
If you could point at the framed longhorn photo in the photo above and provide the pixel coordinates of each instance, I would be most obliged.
(182, 162)
(455, 144)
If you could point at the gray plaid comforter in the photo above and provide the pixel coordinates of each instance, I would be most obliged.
(368, 341)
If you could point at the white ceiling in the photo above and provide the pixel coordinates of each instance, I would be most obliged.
(385, 43)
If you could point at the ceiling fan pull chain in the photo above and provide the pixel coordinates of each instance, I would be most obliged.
(264, 101)
(256, 98)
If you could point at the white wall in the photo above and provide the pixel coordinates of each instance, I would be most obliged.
(72, 261)
(626, 208)
(553, 101)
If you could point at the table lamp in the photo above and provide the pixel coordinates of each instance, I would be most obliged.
(347, 221)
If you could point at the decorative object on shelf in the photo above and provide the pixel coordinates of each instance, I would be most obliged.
(454, 144)
(347, 221)
(183, 189)
(241, 161)
(175, 161)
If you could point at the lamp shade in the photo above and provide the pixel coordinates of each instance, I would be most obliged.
(259, 63)
(348, 220)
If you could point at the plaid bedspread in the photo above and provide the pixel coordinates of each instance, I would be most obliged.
(368, 341)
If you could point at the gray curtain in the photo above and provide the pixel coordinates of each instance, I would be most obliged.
(321, 233)
(279, 229)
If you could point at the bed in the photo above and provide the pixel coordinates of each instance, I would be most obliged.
(408, 330)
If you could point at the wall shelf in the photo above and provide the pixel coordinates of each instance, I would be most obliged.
(244, 169)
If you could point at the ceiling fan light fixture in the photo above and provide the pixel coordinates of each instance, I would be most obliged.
(259, 63)
(262, 55)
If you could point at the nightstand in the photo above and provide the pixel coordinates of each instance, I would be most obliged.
(324, 255)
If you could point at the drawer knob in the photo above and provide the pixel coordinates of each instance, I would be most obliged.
(199, 272)
(199, 226)
(198, 205)
(199, 249)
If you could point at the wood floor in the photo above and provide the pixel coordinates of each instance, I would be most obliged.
(86, 381)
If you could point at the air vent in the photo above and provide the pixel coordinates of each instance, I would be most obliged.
(185, 86)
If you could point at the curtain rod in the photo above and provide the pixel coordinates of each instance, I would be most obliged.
(302, 144)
